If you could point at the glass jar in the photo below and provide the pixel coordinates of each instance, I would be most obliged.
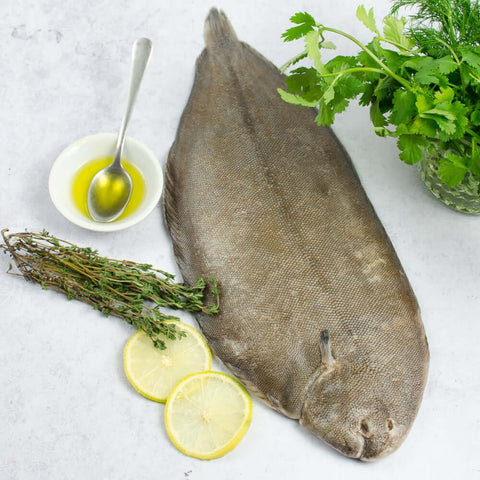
(464, 197)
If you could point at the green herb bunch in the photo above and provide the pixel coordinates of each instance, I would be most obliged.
(420, 78)
(129, 290)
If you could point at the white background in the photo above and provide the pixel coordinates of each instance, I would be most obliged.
(66, 408)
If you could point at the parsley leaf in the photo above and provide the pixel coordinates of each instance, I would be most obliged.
(325, 115)
(446, 65)
(426, 77)
(305, 23)
(313, 50)
(367, 18)
(393, 32)
(452, 169)
(302, 79)
(442, 117)
(394, 60)
(403, 107)
(412, 147)
(329, 94)
(475, 164)
(444, 95)
(376, 115)
(349, 85)
(295, 99)
(469, 56)
(303, 18)
(475, 117)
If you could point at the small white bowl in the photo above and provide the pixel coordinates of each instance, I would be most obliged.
(83, 151)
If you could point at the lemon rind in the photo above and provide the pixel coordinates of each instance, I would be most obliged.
(224, 449)
(181, 326)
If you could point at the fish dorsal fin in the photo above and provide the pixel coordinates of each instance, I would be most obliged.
(326, 350)
(218, 29)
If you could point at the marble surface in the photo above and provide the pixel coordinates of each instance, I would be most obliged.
(67, 410)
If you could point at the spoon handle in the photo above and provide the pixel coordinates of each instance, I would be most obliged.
(142, 49)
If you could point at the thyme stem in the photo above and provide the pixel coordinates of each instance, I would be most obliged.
(132, 291)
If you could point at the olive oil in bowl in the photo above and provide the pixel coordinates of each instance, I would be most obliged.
(82, 179)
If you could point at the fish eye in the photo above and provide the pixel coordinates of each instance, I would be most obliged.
(364, 427)
(390, 424)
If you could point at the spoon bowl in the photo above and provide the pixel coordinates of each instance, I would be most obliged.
(109, 194)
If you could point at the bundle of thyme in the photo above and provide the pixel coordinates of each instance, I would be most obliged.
(125, 289)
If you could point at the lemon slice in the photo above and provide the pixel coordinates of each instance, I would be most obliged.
(207, 414)
(155, 372)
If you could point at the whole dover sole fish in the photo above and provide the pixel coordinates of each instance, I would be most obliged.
(317, 317)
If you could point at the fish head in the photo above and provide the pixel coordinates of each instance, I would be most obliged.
(361, 422)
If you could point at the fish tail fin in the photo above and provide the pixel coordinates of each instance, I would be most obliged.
(218, 28)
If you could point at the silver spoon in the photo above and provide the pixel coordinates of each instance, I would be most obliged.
(110, 189)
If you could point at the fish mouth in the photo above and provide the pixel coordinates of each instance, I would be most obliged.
(363, 453)
(355, 447)
(372, 450)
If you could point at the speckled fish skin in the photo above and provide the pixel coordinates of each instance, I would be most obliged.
(317, 316)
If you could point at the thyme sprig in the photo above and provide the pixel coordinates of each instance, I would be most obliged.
(132, 291)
